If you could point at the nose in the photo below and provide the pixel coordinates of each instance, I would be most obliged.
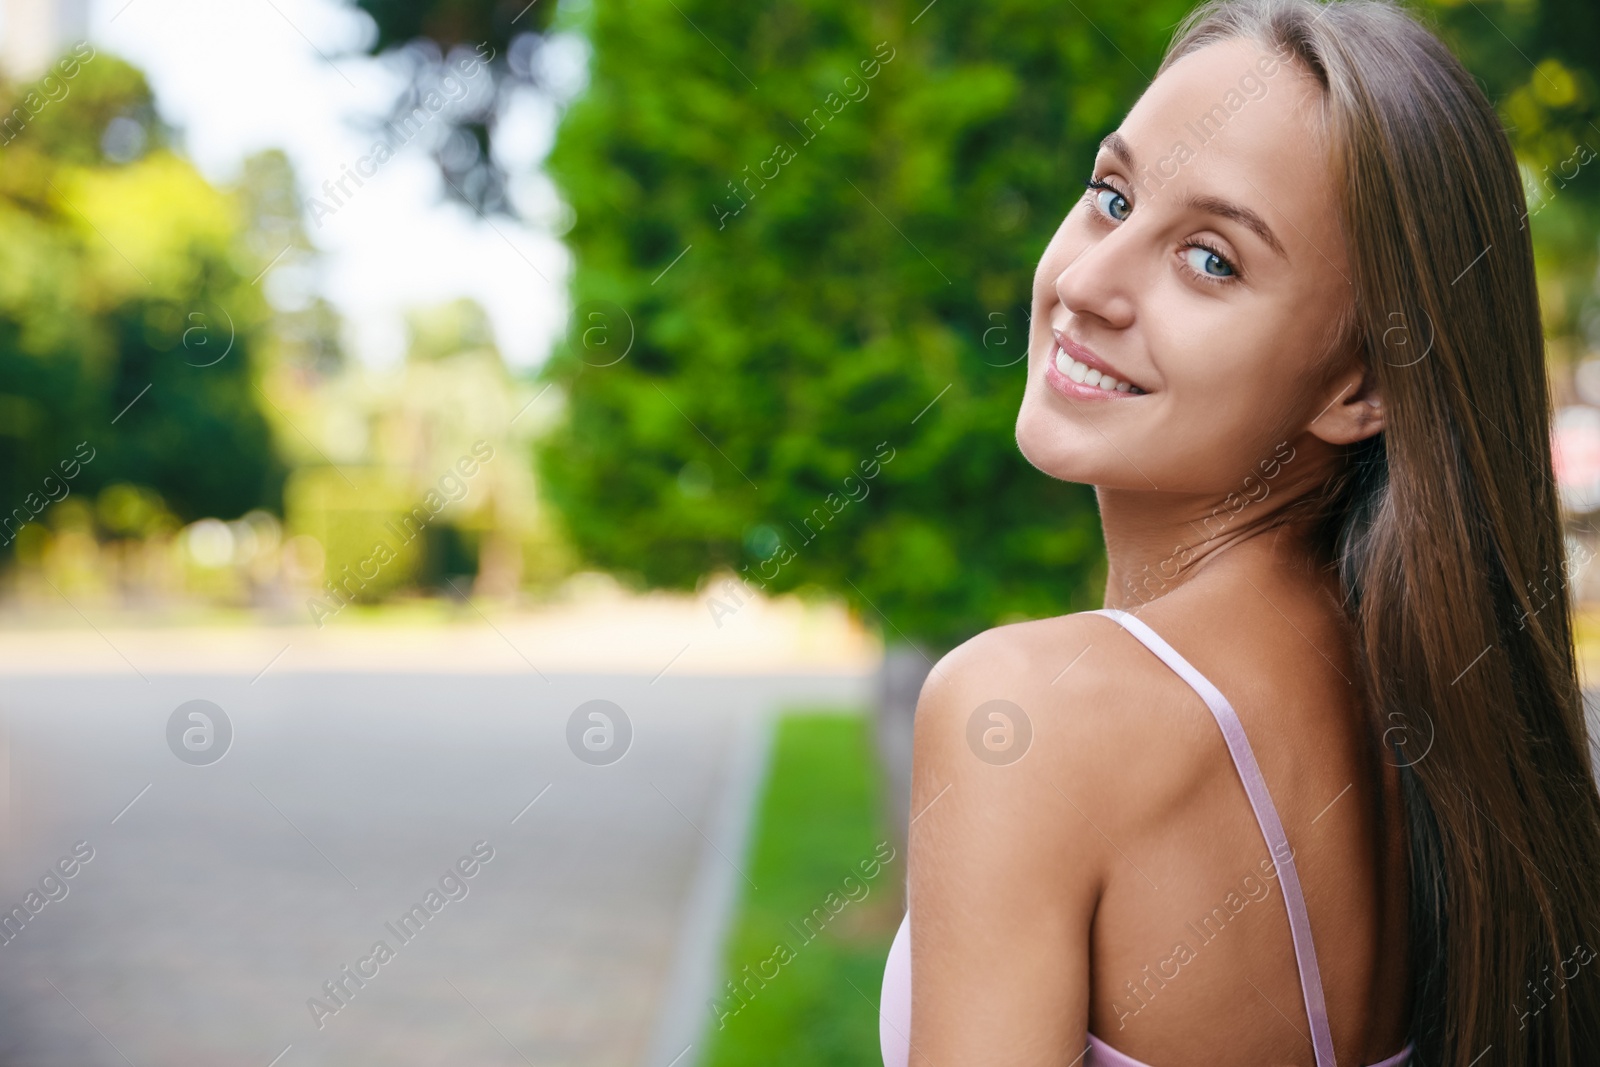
(1103, 276)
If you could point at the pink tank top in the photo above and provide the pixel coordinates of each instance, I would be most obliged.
(894, 1014)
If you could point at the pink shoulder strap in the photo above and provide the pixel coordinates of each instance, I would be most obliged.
(1255, 786)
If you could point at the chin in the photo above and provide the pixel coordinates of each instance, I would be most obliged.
(1053, 445)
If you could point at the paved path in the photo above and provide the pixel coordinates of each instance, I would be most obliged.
(220, 898)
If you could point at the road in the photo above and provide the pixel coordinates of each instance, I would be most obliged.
(224, 900)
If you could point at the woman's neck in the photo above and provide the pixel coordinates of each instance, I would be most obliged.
(1157, 542)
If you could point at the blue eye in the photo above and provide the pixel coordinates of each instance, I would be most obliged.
(1106, 197)
(1207, 261)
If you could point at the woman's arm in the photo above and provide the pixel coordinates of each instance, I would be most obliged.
(1006, 864)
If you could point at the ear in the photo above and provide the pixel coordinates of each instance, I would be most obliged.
(1352, 408)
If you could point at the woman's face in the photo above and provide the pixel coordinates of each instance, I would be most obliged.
(1206, 271)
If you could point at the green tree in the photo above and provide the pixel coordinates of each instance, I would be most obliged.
(900, 168)
(126, 319)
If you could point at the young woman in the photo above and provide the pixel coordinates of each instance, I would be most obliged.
(1315, 786)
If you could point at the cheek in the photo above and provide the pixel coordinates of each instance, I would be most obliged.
(1236, 390)
(1228, 360)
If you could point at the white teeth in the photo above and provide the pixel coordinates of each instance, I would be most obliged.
(1083, 374)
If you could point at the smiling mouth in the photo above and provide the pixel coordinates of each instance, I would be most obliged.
(1087, 376)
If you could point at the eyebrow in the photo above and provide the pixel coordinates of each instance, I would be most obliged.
(1118, 146)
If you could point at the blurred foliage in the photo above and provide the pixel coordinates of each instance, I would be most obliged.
(128, 511)
(870, 299)
(1539, 60)
(128, 323)
(425, 37)
(356, 516)
(304, 331)
(452, 22)
(414, 477)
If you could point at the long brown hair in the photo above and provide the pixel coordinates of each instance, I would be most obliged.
(1446, 532)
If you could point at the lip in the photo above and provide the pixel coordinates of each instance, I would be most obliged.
(1067, 387)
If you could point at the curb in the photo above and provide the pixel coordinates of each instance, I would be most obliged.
(679, 1035)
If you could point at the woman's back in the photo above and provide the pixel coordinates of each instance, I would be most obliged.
(1205, 905)
(1191, 958)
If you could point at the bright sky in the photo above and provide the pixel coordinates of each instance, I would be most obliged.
(237, 76)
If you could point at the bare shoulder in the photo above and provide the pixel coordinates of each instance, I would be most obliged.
(1035, 748)
(1073, 698)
